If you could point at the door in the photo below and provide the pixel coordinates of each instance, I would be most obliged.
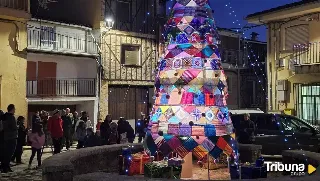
(268, 134)
(300, 135)
(31, 78)
(46, 82)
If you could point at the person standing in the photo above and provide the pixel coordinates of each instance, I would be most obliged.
(21, 141)
(44, 119)
(141, 127)
(81, 134)
(10, 135)
(130, 132)
(1, 138)
(105, 130)
(246, 131)
(55, 129)
(36, 119)
(37, 139)
(85, 119)
(113, 137)
(67, 126)
(75, 122)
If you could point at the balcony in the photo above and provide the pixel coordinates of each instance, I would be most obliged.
(232, 57)
(61, 88)
(50, 39)
(21, 5)
(306, 55)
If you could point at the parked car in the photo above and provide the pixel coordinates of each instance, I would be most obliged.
(243, 111)
(278, 132)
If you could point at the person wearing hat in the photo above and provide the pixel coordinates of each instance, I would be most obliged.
(55, 129)
(246, 131)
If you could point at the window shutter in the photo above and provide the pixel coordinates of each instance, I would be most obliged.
(298, 34)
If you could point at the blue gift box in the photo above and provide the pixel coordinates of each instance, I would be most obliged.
(248, 172)
(126, 151)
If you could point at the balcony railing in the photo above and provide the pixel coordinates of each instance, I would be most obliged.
(61, 87)
(47, 39)
(234, 57)
(307, 54)
(15, 4)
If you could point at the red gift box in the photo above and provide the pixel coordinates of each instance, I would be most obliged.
(137, 163)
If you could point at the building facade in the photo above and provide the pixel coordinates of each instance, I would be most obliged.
(13, 36)
(62, 64)
(293, 68)
(129, 58)
(243, 61)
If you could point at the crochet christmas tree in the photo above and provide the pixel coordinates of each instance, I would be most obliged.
(190, 112)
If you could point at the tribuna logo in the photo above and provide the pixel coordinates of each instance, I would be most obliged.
(294, 169)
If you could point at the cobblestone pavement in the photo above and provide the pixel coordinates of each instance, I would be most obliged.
(21, 172)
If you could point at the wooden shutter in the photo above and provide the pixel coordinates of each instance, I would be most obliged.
(298, 34)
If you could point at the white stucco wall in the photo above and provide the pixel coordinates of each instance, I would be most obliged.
(91, 107)
(68, 66)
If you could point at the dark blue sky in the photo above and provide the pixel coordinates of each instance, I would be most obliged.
(241, 9)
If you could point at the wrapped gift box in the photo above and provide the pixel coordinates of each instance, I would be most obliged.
(124, 164)
(248, 171)
(162, 170)
(137, 163)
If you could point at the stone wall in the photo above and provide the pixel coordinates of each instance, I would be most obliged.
(249, 153)
(65, 166)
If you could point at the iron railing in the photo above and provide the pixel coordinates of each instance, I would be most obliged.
(234, 57)
(15, 4)
(48, 39)
(307, 54)
(61, 87)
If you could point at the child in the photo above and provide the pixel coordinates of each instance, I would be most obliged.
(81, 134)
(37, 139)
(113, 137)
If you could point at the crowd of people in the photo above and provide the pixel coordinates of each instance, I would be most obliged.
(60, 129)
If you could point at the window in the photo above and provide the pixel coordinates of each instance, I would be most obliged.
(294, 35)
(130, 55)
(123, 11)
(265, 122)
(48, 35)
(295, 125)
(251, 91)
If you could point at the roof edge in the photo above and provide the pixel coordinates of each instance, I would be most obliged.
(281, 8)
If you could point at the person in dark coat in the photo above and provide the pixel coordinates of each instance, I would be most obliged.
(125, 127)
(246, 130)
(10, 135)
(142, 125)
(36, 119)
(122, 131)
(1, 138)
(91, 140)
(67, 119)
(130, 132)
(105, 130)
(21, 141)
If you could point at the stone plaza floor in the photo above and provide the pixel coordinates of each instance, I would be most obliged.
(21, 172)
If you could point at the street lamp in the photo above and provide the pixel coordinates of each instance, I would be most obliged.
(109, 23)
